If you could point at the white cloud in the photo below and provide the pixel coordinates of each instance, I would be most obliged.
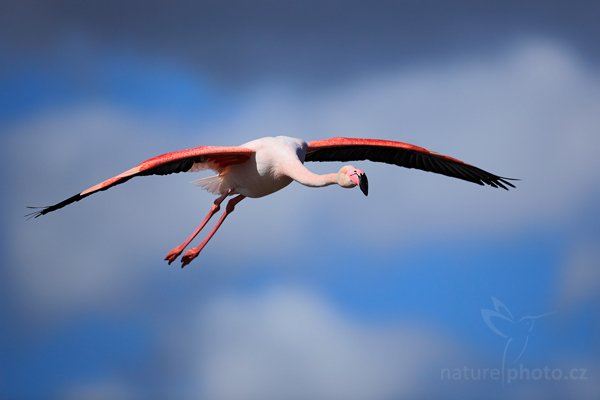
(531, 112)
(288, 343)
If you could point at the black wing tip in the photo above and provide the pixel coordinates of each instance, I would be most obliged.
(502, 182)
(39, 211)
(505, 181)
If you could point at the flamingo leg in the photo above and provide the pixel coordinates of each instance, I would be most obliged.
(216, 206)
(193, 252)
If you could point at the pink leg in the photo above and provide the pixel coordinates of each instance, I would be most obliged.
(193, 252)
(173, 254)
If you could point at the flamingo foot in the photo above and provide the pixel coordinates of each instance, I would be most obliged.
(173, 254)
(188, 257)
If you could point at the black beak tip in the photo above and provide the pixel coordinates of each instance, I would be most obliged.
(363, 184)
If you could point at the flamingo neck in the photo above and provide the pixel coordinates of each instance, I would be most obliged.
(308, 178)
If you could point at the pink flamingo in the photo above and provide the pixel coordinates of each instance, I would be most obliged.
(266, 165)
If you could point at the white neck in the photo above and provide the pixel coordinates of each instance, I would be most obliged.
(302, 175)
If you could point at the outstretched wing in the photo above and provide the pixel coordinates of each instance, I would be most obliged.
(213, 157)
(403, 155)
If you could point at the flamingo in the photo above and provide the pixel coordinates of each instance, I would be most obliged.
(266, 165)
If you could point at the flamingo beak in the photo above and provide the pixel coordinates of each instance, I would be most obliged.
(363, 183)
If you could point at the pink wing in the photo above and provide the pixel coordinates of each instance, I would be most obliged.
(214, 157)
(401, 154)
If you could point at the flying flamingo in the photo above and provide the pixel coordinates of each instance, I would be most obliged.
(266, 165)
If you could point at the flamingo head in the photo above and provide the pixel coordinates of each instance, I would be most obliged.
(349, 177)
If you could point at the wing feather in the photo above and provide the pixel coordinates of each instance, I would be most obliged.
(401, 154)
(213, 157)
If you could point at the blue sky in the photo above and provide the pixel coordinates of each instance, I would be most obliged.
(306, 293)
